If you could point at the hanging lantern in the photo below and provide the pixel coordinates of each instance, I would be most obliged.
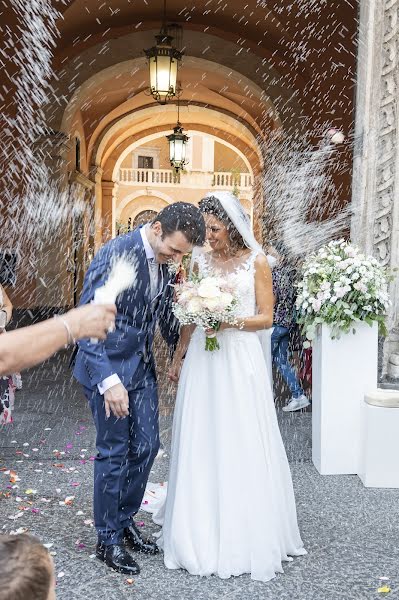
(163, 61)
(177, 147)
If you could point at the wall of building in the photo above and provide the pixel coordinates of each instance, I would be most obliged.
(228, 160)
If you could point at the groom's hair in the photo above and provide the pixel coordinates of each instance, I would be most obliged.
(184, 217)
(26, 570)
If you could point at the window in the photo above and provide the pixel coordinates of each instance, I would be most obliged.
(77, 154)
(145, 162)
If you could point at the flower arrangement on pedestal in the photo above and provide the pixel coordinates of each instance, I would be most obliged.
(341, 287)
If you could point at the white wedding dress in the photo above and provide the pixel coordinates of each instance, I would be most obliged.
(230, 506)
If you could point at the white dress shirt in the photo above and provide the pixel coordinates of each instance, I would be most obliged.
(153, 269)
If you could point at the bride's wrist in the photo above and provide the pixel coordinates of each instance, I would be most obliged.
(177, 359)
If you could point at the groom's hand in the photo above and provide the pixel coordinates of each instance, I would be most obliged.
(116, 400)
(174, 371)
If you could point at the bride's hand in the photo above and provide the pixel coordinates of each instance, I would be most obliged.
(174, 371)
(211, 332)
(221, 327)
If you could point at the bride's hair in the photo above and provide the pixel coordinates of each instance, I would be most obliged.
(210, 205)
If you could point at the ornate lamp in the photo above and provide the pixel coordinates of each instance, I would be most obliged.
(163, 61)
(177, 144)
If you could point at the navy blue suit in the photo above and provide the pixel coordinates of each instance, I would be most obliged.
(126, 448)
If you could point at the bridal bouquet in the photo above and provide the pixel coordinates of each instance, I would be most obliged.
(206, 302)
(340, 287)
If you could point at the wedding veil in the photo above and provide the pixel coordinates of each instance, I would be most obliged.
(237, 215)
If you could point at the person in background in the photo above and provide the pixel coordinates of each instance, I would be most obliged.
(284, 276)
(26, 569)
(7, 386)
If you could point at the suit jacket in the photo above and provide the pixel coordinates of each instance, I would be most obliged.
(136, 317)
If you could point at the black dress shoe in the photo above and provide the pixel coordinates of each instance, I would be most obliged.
(117, 557)
(136, 541)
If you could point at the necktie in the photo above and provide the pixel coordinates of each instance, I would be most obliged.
(153, 267)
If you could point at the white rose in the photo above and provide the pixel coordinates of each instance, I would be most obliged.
(208, 289)
(225, 299)
(316, 305)
(218, 303)
(186, 296)
(212, 303)
(194, 306)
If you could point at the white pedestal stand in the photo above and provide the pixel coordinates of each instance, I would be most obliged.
(343, 371)
(380, 444)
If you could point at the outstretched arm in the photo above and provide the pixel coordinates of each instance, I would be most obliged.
(28, 346)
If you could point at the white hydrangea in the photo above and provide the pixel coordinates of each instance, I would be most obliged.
(341, 286)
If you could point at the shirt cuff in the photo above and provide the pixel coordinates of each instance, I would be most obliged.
(107, 383)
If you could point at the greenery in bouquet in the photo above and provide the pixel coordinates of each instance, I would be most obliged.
(340, 287)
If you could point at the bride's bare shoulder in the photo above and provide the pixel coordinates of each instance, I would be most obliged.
(261, 262)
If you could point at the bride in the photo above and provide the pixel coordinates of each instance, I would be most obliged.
(230, 506)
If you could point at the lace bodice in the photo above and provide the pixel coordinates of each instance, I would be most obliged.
(242, 277)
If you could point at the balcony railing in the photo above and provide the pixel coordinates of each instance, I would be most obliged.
(228, 180)
(165, 177)
(192, 179)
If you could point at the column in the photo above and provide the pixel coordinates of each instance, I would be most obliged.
(81, 191)
(108, 208)
(54, 282)
(98, 206)
(375, 221)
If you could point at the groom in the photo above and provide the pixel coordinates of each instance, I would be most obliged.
(118, 376)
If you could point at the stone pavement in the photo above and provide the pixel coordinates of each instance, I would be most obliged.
(351, 534)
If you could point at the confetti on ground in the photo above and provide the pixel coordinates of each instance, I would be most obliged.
(69, 500)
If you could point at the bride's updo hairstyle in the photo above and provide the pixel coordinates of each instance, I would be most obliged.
(210, 205)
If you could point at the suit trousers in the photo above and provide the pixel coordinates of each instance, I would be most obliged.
(126, 449)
